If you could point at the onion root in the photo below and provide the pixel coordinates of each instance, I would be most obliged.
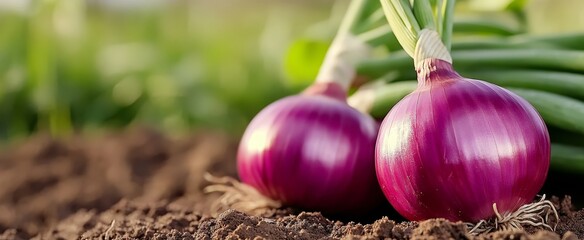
(536, 214)
(238, 196)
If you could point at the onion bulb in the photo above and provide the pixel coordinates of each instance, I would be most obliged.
(456, 146)
(312, 151)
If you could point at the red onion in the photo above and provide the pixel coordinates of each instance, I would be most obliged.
(456, 146)
(312, 151)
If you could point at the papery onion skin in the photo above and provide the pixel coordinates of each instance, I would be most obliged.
(455, 146)
(312, 151)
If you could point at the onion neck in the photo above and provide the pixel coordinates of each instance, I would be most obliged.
(327, 89)
(432, 59)
(338, 69)
(435, 70)
(339, 65)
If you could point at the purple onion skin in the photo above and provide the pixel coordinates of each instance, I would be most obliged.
(312, 151)
(455, 146)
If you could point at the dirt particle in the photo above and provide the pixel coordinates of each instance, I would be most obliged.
(382, 228)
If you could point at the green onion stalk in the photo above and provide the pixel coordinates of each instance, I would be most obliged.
(358, 34)
(550, 59)
(345, 50)
(383, 35)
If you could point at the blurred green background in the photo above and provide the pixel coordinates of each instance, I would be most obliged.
(180, 65)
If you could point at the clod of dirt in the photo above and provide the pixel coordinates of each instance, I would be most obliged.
(441, 227)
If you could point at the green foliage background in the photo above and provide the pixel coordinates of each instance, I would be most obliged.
(180, 65)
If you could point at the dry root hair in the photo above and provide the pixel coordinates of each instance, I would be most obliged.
(238, 196)
(536, 214)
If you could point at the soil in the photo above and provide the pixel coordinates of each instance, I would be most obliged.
(141, 184)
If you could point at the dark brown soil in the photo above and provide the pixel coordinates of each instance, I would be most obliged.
(140, 184)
